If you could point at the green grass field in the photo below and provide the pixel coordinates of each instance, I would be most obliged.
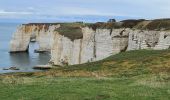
(133, 75)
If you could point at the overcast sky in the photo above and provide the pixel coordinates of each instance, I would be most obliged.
(51, 9)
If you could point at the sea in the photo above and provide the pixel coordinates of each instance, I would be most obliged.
(23, 61)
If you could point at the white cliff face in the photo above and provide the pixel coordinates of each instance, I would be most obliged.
(45, 38)
(19, 41)
(65, 51)
(87, 46)
(22, 37)
(164, 41)
(143, 39)
(156, 40)
(93, 46)
(103, 43)
(120, 40)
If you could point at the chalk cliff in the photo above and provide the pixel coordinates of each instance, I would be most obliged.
(42, 33)
(76, 43)
(95, 45)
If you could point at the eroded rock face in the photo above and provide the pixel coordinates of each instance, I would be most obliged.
(94, 45)
(20, 40)
(25, 33)
(101, 43)
(156, 40)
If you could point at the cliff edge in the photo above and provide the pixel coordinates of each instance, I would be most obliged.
(77, 43)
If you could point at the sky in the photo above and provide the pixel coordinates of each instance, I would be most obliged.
(82, 10)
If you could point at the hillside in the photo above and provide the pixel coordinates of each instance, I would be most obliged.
(142, 75)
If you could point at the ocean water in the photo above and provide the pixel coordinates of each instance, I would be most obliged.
(23, 61)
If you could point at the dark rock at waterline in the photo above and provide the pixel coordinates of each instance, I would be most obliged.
(5, 68)
(40, 51)
(14, 68)
(42, 67)
(11, 68)
(13, 52)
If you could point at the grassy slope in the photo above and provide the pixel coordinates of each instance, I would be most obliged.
(134, 75)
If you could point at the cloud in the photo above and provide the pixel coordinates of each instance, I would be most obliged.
(128, 8)
(3, 12)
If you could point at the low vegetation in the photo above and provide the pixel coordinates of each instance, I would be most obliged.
(74, 30)
(157, 24)
(71, 30)
(133, 75)
(131, 23)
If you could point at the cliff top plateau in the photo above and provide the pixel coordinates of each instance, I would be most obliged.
(156, 24)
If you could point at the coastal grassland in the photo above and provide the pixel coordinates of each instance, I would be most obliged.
(71, 30)
(157, 24)
(132, 75)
